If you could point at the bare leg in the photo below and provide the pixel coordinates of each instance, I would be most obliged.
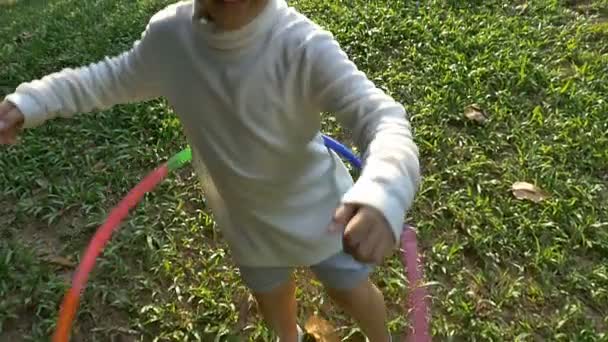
(365, 304)
(279, 309)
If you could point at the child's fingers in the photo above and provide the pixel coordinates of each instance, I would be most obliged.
(342, 216)
(367, 249)
(5, 108)
(8, 138)
(356, 234)
(10, 121)
(382, 249)
(345, 213)
(17, 118)
(367, 238)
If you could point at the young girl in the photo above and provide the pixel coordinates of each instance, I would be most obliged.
(249, 79)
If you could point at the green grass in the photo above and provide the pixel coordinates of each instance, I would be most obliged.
(499, 269)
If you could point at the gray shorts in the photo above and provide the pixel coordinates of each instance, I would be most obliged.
(340, 272)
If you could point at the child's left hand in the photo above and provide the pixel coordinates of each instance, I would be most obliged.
(367, 234)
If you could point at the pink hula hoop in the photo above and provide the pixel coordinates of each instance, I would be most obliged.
(416, 308)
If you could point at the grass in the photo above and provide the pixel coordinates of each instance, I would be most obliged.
(498, 268)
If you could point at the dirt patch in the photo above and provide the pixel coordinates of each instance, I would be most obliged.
(7, 215)
(48, 247)
(105, 323)
(596, 317)
(7, 2)
(17, 329)
(588, 8)
(40, 237)
(581, 6)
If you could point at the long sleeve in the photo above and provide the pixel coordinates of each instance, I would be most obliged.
(129, 77)
(391, 172)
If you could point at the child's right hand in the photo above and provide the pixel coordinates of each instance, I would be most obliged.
(11, 120)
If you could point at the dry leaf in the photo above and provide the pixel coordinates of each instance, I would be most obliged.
(99, 166)
(61, 261)
(475, 113)
(527, 191)
(521, 9)
(321, 329)
(43, 183)
(23, 36)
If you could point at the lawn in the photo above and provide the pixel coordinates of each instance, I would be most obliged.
(498, 268)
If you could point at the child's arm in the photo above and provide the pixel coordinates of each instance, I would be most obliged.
(390, 176)
(125, 78)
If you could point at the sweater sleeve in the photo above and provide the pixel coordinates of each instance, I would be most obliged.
(128, 77)
(381, 129)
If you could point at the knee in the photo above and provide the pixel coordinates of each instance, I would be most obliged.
(345, 297)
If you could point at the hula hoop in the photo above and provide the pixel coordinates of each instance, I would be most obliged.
(417, 310)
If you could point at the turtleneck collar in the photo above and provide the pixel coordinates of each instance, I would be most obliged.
(227, 40)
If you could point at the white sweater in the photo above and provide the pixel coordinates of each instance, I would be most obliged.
(250, 103)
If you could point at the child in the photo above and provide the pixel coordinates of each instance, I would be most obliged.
(249, 79)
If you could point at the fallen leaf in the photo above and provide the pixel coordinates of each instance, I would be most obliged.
(475, 113)
(321, 329)
(100, 166)
(23, 36)
(521, 9)
(61, 261)
(43, 183)
(527, 191)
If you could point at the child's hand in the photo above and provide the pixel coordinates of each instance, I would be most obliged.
(11, 120)
(367, 234)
